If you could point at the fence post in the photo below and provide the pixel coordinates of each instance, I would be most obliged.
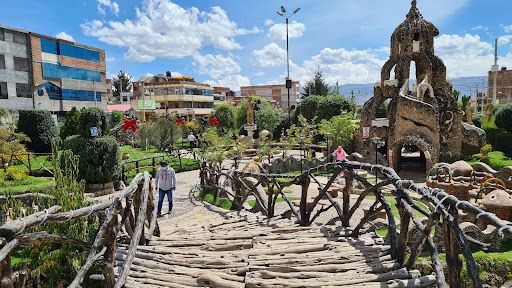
(347, 190)
(453, 260)
(179, 157)
(304, 219)
(6, 269)
(29, 165)
(137, 167)
(123, 177)
(108, 257)
(153, 160)
(403, 238)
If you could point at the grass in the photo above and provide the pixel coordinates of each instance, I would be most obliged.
(36, 183)
(139, 153)
(186, 163)
(223, 203)
(392, 202)
(253, 202)
(497, 160)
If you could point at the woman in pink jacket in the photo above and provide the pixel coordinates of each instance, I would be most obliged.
(339, 154)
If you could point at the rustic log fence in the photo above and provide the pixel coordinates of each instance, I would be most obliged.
(25, 159)
(175, 159)
(139, 211)
(240, 185)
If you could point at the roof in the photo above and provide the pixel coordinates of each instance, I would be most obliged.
(119, 107)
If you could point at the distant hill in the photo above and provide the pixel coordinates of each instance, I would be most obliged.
(467, 86)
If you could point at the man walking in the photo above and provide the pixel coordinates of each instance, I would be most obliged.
(191, 139)
(165, 180)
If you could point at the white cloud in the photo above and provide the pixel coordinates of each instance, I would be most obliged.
(477, 27)
(65, 36)
(270, 56)
(114, 7)
(504, 40)
(166, 30)
(232, 81)
(216, 66)
(110, 59)
(469, 45)
(278, 31)
(149, 75)
(259, 74)
(507, 29)
(268, 22)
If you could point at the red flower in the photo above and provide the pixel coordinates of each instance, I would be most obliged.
(214, 122)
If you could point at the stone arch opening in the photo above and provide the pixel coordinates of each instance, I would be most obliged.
(411, 156)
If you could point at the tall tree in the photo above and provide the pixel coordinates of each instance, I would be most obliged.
(122, 83)
(318, 86)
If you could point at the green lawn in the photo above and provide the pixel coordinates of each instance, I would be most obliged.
(34, 165)
(36, 184)
(496, 160)
(223, 203)
(392, 202)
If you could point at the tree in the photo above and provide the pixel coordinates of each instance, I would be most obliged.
(161, 133)
(225, 114)
(308, 107)
(504, 117)
(329, 107)
(40, 127)
(116, 117)
(267, 119)
(341, 127)
(121, 83)
(70, 126)
(318, 86)
(11, 142)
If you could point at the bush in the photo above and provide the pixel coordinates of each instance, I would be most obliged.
(116, 117)
(329, 107)
(267, 119)
(225, 114)
(161, 133)
(504, 143)
(503, 117)
(99, 158)
(92, 117)
(284, 123)
(40, 127)
(382, 112)
(308, 106)
(477, 119)
(491, 131)
(70, 126)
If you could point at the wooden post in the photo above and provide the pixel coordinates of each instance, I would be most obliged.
(403, 238)
(453, 260)
(153, 162)
(270, 207)
(137, 199)
(347, 191)
(179, 157)
(304, 219)
(22, 278)
(29, 165)
(123, 177)
(6, 269)
(110, 244)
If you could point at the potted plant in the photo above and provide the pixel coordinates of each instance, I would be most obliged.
(485, 151)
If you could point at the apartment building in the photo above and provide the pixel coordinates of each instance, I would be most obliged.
(276, 95)
(42, 72)
(503, 85)
(163, 94)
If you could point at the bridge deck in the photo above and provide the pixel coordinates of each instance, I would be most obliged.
(238, 249)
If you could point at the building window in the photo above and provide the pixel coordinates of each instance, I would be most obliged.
(108, 90)
(21, 64)
(48, 46)
(23, 90)
(3, 90)
(78, 52)
(2, 61)
(2, 38)
(56, 71)
(19, 38)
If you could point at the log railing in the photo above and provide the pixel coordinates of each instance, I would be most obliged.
(445, 209)
(137, 196)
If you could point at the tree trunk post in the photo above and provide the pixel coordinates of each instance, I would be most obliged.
(347, 191)
(453, 260)
(6, 269)
(304, 219)
(110, 244)
(403, 238)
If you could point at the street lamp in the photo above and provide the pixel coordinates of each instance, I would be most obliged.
(378, 143)
(288, 79)
(301, 140)
(327, 136)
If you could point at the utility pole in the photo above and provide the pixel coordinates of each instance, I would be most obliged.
(143, 103)
(494, 70)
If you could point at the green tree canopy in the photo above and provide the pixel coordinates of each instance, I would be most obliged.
(241, 113)
(341, 127)
(504, 117)
(308, 106)
(225, 114)
(329, 107)
(318, 86)
(40, 127)
(267, 119)
(70, 126)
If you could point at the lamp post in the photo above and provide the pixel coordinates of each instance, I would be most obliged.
(301, 140)
(288, 79)
(327, 136)
(378, 143)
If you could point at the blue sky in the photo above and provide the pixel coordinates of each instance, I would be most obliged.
(234, 43)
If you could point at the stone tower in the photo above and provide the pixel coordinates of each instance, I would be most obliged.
(427, 117)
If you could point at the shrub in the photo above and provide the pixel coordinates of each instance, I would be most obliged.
(92, 117)
(70, 126)
(194, 127)
(116, 117)
(308, 106)
(504, 117)
(40, 127)
(267, 119)
(491, 131)
(329, 107)
(382, 112)
(99, 158)
(225, 114)
(284, 123)
(504, 143)
(477, 119)
(161, 133)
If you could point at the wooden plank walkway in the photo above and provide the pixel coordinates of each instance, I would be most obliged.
(241, 249)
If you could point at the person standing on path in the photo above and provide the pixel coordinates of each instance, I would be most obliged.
(191, 139)
(165, 180)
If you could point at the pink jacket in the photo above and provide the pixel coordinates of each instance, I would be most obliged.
(339, 154)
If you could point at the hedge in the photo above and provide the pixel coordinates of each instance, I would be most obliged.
(504, 117)
(40, 127)
(503, 143)
(92, 117)
(99, 158)
(331, 106)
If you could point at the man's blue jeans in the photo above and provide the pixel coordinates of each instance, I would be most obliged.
(161, 195)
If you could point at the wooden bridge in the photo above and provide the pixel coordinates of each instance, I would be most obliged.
(215, 248)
